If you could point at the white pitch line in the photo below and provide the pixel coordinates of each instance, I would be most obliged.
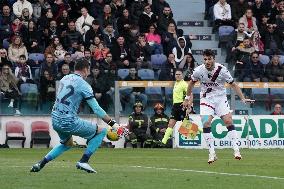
(210, 172)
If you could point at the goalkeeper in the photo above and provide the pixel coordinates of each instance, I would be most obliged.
(178, 112)
(65, 121)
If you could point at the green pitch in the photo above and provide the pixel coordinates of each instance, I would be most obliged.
(145, 169)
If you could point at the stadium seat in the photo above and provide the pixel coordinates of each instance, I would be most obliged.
(224, 33)
(281, 59)
(6, 44)
(30, 94)
(158, 60)
(154, 94)
(122, 73)
(15, 131)
(146, 74)
(36, 57)
(264, 59)
(40, 133)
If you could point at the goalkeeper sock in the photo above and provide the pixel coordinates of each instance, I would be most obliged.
(232, 134)
(55, 152)
(209, 139)
(167, 135)
(93, 145)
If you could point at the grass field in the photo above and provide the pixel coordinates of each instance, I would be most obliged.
(144, 169)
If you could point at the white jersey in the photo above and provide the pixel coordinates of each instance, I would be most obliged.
(212, 82)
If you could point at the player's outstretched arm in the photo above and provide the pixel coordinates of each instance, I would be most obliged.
(189, 97)
(237, 89)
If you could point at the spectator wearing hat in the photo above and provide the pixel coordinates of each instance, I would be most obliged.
(158, 125)
(277, 110)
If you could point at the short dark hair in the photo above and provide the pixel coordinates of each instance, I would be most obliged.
(81, 64)
(208, 52)
(178, 70)
(23, 56)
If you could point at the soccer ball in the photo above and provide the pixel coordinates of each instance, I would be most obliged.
(112, 135)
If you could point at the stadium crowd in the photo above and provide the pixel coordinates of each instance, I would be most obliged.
(42, 39)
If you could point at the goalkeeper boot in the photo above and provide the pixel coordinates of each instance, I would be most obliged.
(237, 155)
(212, 158)
(37, 167)
(86, 167)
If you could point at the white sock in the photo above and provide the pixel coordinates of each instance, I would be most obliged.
(209, 141)
(234, 139)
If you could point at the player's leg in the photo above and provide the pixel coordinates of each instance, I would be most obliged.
(176, 115)
(207, 111)
(66, 142)
(223, 110)
(94, 136)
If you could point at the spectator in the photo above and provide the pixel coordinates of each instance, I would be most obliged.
(117, 7)
(167, 72)
(23, 71)
(181, 50)
(137, 8)
(8, 86)
(84, 23)
(147, 19)
(154, 40)
(239, 8)
(100, 52)
(169, 39)
(262, 26)
(59, 53)
(249, 22)
(63, 20)
(59, 6)
(50, 66)
(158, 6)
(165, 20)
(100, 87)
(65, 70)
(106, 17)
(259, 9)
(45, 19)
(254, 70)
(272, 41)
(280, 25)
(95, 43)
(124, 24)
(55, 41)
(243, 53)
(95, 31)
(257, 43)
(51, 32)
(107, 63)
(26, 17)
(222, 14)
(158, 125)
(109, 35)
(40, 7)
(79, 53)
(47, 87)
(32, 38)
(6, 19)
(120, 53)
(141, 53)
(16, 27)
(4, 59)
(16, 49)
(138, 125)
(20, 5)
(274, 71)
(137, 93)
(277, 110)
(187, 66)
(71, 35)
(68, 61)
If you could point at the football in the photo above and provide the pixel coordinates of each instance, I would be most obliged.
(112, 135)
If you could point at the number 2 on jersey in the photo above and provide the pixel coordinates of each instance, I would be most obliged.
(70, 93)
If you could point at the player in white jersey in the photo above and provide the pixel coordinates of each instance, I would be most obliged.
(213, 100)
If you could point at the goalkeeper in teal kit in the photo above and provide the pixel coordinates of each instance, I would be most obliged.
(72, 90)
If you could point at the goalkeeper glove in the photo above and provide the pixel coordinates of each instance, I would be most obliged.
(113, 125)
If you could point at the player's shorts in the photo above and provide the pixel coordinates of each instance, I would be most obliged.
(66, 127)
(178, 113)
(217, 105)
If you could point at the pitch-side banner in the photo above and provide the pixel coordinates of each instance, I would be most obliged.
(260, 131)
